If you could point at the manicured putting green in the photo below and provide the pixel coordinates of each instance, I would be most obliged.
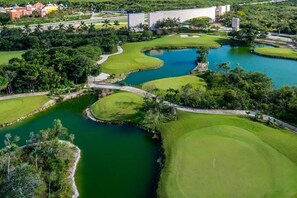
(133, 58)
(6, 56)
(227, 156)
(12, 109)
(227, 161)
(122, 106)
(175, 83)
(277, 52)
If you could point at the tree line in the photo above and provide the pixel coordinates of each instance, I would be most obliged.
(278, 17)
(237, 89)
(132, 6)
(38, 169)
(58, 58)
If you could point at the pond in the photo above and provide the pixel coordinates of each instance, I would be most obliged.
(181, 62)
(117, 160)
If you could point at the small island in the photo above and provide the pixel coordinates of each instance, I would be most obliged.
(44, 167)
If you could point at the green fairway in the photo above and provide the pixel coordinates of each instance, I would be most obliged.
(6, 56)
(12, 109)
(277, 52)
(122, 106)
(175, 83)
(227, 156)
(216, 155)
(133, 58)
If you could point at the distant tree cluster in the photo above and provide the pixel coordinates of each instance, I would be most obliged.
(247, 35)
(136, 5)
(59, 58)
(277, 17)
(238, 89)
(49, 69)
(40, 168)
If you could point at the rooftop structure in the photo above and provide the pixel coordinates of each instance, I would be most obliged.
(16, 12)
(235, 24)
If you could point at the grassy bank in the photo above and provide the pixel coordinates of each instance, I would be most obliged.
(122, 106)
(218, 155)
(133, 58)
(12, 109)
(175, 83)
(6, 56)
(277, 52)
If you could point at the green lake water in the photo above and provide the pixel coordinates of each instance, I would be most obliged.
(181, 62)
(118, 161)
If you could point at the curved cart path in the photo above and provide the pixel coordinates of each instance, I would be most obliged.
(190, 109)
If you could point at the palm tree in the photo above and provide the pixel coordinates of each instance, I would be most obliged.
(70, 28)
(92, 28)
(27, 30)
(61, 27)
(106, 23)
(10, 149)
(50, 28)
(82, 27)
(116, 23)
(9, 75)
(38, 28)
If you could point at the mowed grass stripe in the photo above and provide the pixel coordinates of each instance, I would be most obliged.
(12, 109)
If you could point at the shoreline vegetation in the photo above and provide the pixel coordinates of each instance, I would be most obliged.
(23, 101)
(44, 166)
(134, 59)
(285, 53)
(174, 134)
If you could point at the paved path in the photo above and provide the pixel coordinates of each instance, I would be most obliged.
(104, 57)
(190, 109)
(103, 76)
(23, 95)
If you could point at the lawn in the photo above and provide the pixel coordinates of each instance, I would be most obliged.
(227, 156)
(12, 109)
(122, 25)
(277, 52)
(6, 56)
(175, 83)
(217, 155)
(133, 58)
(122, 106)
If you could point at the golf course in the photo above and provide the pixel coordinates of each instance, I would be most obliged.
(6, 56)
(133, 58)
(175, 83)
(122, 106)
(19, 107)
(231, 154)
(277, 52)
